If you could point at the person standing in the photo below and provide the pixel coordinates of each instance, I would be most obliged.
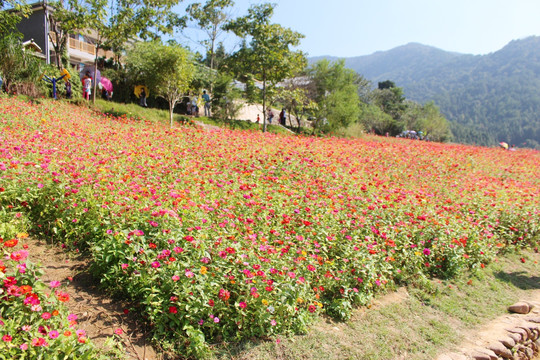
(87, 85)
(206, 99)
(270, 116)
(68, 90)
(282, 117)
(142, 98)
(194, 107)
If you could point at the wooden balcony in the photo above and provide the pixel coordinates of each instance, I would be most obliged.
(82, 46)
(85, 47)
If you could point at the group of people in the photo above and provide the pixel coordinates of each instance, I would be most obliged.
(87, 83)
(192, 107)
(270, 116)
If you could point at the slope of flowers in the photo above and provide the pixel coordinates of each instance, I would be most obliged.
(227, 235)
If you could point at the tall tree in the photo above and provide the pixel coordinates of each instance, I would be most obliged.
(390, 99)
(268, 55)
(336, 93)
(211, 18)
(167, 70)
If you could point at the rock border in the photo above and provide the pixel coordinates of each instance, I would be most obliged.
(519, 340)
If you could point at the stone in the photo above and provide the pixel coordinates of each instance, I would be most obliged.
(527, 330)
(515, 337)
(535, 319)
(520, 308)
(456, 356)
(508, 342)
(531, 305)
(476, 355)
(500, 350)
(522, 333)
(443, 357)
(489, 353)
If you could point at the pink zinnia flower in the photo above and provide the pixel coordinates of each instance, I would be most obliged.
(20, 255)
(39, 342)
(46, 315)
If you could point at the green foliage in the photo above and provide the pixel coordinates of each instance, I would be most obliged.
(336, 94)
(210, 18)
(390, 99)
(166, 70)
(429, 120)
(20, 70)
(377, 121)
(295, 100)
(9, 19)
(225, 104)
(52, 71)
(63, 20)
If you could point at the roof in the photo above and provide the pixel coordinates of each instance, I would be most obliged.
(30, 44)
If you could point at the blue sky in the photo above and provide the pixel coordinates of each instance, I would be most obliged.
(348, 28)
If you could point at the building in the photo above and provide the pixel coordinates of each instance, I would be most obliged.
(80, 48)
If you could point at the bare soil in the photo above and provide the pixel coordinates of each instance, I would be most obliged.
(97, 313)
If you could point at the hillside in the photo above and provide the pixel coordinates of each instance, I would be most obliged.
(221, 235)
(488, 98)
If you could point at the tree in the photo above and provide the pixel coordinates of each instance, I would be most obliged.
(225, 102)
(9, 19)
(211, 18)
(267, 56)
(433, 124)
(113, 27)
(63, 21)
(375, 120)
(390, 99)
(167, 70)
(294, 98)
(336, 93)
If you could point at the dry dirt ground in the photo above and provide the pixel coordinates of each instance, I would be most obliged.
(100, 316)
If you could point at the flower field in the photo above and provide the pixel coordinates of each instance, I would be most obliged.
(227, 235)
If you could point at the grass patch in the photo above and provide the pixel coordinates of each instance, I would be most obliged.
(137, 112)
(433, 319)
(242, 125)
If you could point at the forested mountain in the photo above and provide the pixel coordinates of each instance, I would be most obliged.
(488, 98)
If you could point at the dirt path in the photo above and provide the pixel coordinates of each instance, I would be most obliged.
(97, 313)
